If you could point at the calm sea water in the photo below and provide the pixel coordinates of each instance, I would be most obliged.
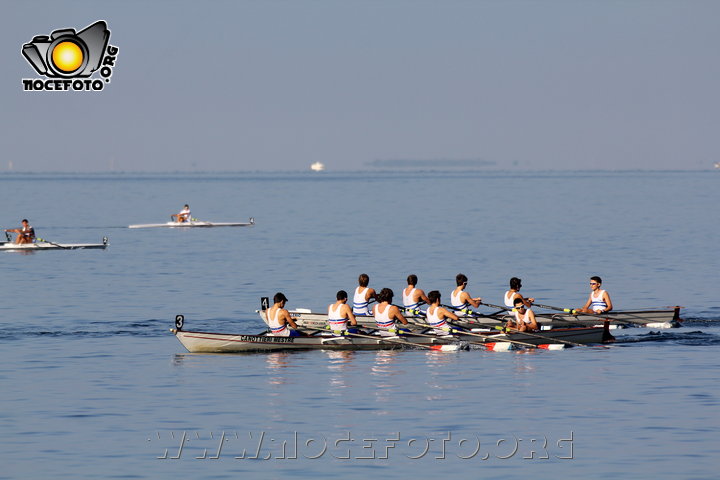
(93, 385)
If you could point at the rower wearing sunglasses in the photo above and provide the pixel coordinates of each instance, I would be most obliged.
(524, 318)
(599, 300)
(514, 293)
(460, 300)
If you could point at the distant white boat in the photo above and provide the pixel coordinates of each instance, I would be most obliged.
(194, 223)
(317, 167)
(717, 164)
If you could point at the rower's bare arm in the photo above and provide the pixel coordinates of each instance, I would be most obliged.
(587, 304)
(288, 319)
(350, 316)
(475, 302)
(423, 297)
(395, 313)
(606, 296)
(448, 314)
(533, 322)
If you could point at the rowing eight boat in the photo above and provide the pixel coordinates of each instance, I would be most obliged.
(194, 224)
(209, 342)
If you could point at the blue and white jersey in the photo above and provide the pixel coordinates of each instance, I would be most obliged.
(411, 306)
(360, 305)
(597, 302)
(456, 303)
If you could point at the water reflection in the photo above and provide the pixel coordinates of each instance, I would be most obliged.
(276, 364)
(384, 369)
(436, 374)
(384, 360)
(338, 363)
(339, 359)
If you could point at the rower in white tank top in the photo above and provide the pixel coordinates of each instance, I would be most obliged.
(411, 306)
(509, 297)
(274, 324)
(360, 304)
(521, 317)
(439, 325)
(457, 303)
(386, 326)
(335, 321)
(598, 303)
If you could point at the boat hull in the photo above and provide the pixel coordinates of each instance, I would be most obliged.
(209, 342)
(30, 247)
(206, 342)
(194, 224)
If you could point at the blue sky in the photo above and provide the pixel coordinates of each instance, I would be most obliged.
(250, 85)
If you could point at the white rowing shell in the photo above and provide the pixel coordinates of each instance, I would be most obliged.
(194, 224)
(8, 246)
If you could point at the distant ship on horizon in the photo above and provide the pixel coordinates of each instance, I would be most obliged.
(317, 167)
(717, 164)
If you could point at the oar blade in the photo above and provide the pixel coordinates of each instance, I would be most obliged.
(499, 346)
(445, 348)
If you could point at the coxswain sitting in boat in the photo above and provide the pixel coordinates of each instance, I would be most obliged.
(524, 319)
(413, 297)
(25, 234)
(460, 300)
(514, 292)
(340, 315)
(183, 216)
(437, 316)
(386, 315)
(278, 318)
(363, 296)
(598, 301)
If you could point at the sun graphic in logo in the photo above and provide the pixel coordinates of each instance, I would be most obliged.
(67, 56)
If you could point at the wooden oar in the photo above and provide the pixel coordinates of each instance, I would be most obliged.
(478, 314)
(491, 338)
(551, 340)
(575, 313)
(442, 348)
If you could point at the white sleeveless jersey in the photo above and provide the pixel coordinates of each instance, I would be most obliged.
(408, 301)
(360, 305)
(274, 324)
(509, 297)
(455, 301)
(383, 321)
(597, 303)
(439, 325)
(336, 322)
(524, 319)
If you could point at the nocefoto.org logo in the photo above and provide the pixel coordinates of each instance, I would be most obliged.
(68, 59)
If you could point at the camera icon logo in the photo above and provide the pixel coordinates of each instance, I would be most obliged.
(67, 53)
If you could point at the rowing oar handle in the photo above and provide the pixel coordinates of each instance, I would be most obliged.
(550, 307)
